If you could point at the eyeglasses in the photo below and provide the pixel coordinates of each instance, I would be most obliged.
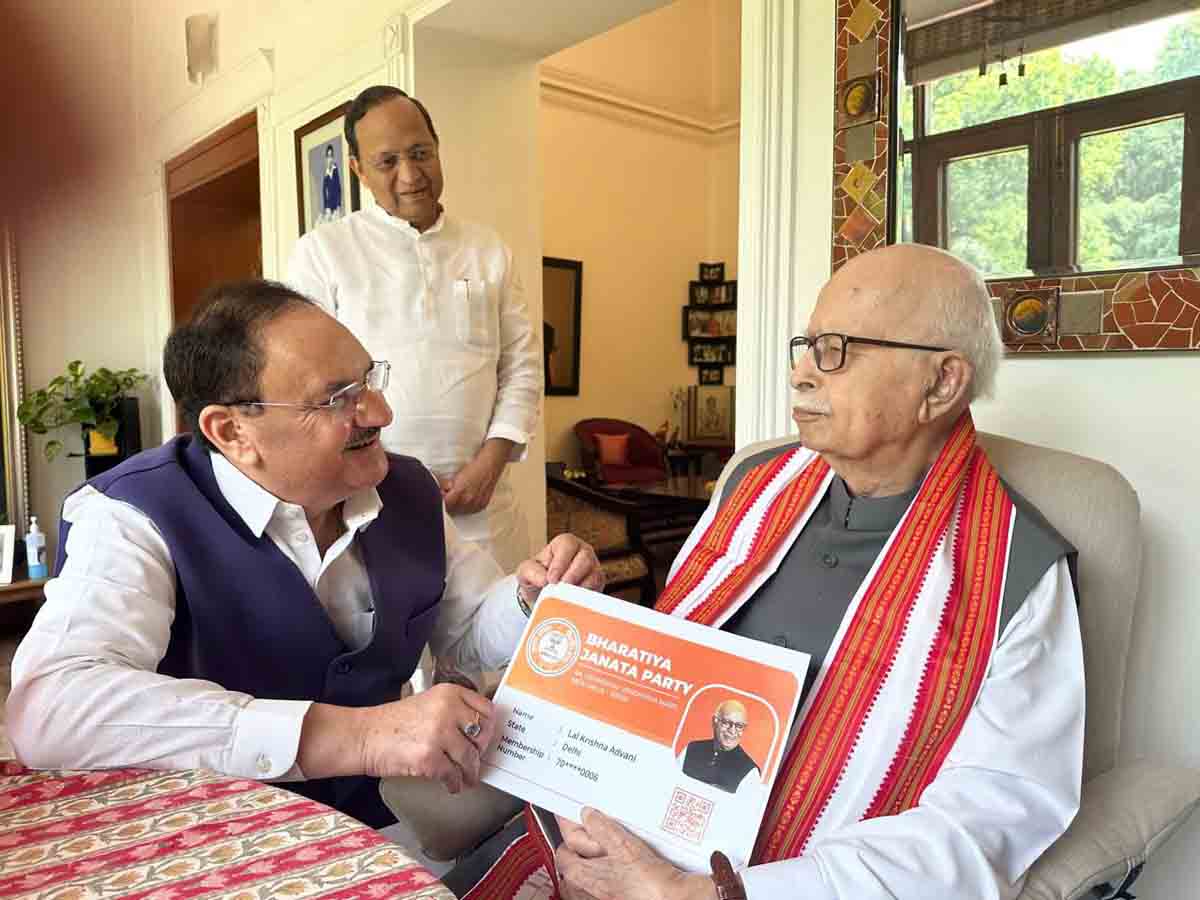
(735, 727)
(422, 153)
(829, 349)
(344, 401)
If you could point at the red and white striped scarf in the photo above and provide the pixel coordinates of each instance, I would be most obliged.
(907, 662)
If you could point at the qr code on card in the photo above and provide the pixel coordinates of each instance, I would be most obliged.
(687, 816)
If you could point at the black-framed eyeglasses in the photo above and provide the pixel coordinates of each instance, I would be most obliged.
(829, 349)
(735, 727)
(344, 401)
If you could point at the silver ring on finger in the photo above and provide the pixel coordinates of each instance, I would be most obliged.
(472, 729)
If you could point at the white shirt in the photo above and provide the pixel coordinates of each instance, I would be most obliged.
(85, 691)
(446, 308)
(1009, 787)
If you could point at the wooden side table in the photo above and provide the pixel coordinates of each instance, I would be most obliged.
(23, 589)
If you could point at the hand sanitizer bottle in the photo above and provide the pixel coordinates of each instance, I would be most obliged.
(35, 550)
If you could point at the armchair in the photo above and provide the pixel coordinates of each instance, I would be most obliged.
(1129, 809)
(644, 463)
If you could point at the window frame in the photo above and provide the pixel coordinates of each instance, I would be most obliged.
(1052, 138)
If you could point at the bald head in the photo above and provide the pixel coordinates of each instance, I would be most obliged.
(925, 295)
(729, 721)
(903, 339)
(732, 707)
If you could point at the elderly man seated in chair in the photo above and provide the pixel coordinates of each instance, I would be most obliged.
(938, 748)
(252, 597)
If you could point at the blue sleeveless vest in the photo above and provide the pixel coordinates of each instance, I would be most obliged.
(245, 617)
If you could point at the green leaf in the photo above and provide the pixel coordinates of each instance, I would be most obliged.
(52, 449)
(108, 428)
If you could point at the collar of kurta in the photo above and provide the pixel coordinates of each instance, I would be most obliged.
(405, 226)
(257, 506)
(852, 513)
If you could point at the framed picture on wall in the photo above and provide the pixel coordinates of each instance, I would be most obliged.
(718, 293)
(710, 413)
(712, 374)
(562, 313)
(8, 547)
(326, 189)
(709, 323)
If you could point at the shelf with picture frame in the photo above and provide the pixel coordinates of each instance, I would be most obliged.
(712, 294)
(712, 351)
(699, 322)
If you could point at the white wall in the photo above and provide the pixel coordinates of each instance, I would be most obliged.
(77, 245)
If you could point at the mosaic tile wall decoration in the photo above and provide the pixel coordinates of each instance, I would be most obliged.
(860, 151)
(1157, 310)
(1153, 310)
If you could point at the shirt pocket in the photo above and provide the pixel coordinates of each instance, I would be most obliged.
(474, 303)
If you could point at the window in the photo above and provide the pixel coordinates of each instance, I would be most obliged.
(1129, 194)
(1080, 165)
(984, 196)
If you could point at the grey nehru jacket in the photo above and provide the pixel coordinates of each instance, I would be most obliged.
(803, 603)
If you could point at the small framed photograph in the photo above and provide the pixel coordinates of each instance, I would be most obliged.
(713, 271)
(712, 374)
(8, 547)
(709, 323)
(326, 189)
(716, 293)
(710, 413)
(712, 351)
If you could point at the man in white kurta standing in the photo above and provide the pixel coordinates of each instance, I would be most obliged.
(439, 297)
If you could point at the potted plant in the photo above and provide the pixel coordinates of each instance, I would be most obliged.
(93, 401)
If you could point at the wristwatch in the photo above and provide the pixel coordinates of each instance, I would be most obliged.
(525, 607)
(728, 882)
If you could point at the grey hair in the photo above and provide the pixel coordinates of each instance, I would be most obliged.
(963, 320)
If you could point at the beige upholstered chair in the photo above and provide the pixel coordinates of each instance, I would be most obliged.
(1128, 810)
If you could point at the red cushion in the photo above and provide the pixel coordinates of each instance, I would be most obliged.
(612, 449)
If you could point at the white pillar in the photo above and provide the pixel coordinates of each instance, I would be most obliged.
(785, 214)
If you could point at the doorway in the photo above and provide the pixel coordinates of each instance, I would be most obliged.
(214, 214)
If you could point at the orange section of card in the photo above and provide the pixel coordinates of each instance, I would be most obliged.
(647, 682)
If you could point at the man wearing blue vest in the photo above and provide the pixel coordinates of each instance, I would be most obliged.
(252, 597)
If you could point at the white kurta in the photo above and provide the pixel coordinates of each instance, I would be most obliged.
(1008, 788)
(447, 310)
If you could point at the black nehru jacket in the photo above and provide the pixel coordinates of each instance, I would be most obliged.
(706, 761)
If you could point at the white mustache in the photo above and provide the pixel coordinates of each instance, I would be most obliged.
(820, 409)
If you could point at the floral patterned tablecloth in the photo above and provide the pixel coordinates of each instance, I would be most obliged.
(136, 833)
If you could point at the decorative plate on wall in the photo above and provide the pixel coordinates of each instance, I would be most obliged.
(1030, 316)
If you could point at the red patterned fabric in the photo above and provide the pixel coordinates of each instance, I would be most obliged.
(137, 833)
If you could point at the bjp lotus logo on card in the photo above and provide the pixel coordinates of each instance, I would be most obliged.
(553, 647)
